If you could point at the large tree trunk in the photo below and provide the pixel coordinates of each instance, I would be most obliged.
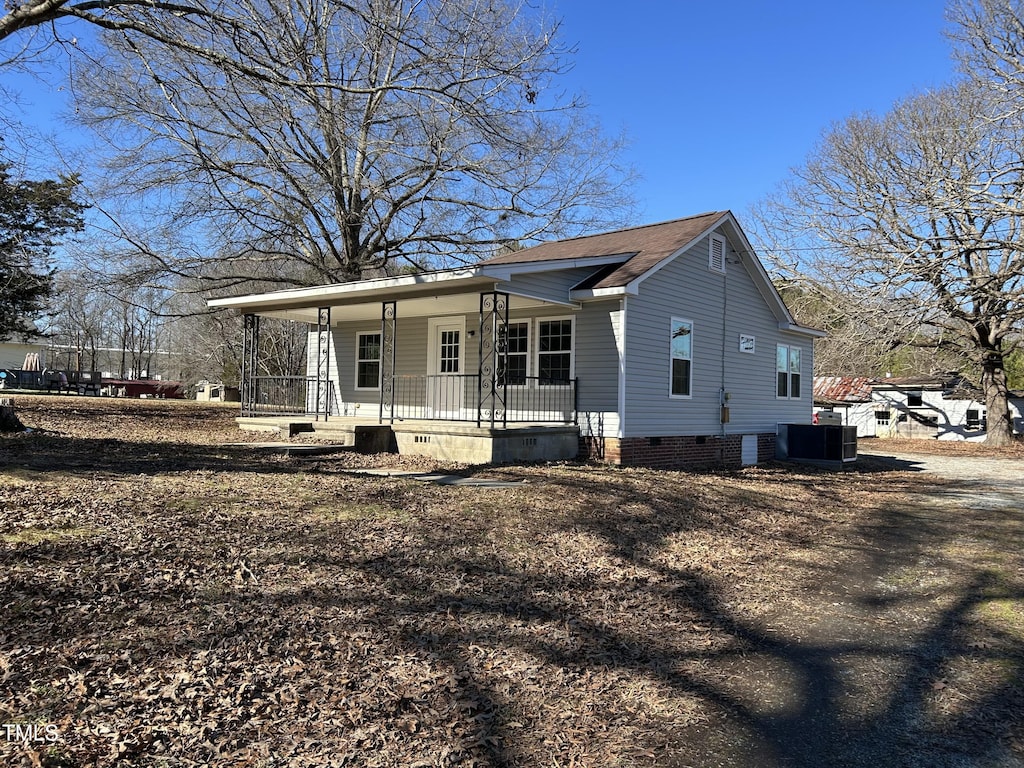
(997, 404)
(9, 421)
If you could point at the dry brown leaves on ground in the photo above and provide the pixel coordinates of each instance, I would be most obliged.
(170, 600)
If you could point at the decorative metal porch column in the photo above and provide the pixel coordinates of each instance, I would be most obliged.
(388, 318)
(323, 362)
(250, 358)
(492, 383)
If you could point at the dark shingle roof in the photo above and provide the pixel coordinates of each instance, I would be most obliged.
(641, 248)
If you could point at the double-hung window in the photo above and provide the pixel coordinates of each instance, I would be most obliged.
(787, 371)
(368, 361)
(681, 346)
(512, 368)
(554, 351)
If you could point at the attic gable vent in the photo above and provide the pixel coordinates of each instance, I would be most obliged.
(716, 257)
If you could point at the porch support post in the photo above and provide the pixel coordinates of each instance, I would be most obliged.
(250, 357)
(388, 318)
(492, 384)
(323, 362)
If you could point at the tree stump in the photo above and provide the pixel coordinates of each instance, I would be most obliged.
(9, 421)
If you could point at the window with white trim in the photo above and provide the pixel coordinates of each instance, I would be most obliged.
(787, 371)
(554, 351)
(512, 368)
(681, 364)
(716, 253)
(368, 361)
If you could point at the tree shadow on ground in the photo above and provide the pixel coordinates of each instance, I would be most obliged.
(794, 708)
(114, 457)
(462, 622)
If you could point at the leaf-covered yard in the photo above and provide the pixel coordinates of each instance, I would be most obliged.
(167, 599)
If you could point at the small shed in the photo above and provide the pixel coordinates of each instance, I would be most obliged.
(946, 407)
(210, 392)
(851, 397)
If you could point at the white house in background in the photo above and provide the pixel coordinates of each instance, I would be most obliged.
(663, 345)
(13, 351)
(928, 407)
(849, 396)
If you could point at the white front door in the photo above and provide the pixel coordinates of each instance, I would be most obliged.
(446, 380)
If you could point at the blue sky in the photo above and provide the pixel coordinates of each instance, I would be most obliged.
(721, 100)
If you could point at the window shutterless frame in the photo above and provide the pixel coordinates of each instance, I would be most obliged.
(514, 373)
(788, 373)
(680, 364)
(367, 361)
(554, 355)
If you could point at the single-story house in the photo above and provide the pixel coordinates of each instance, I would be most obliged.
(662, 345)
(928, 407)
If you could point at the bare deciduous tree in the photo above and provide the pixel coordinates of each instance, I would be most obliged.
(919, 215)
(391, 130)
(29, 15)
(988, 42)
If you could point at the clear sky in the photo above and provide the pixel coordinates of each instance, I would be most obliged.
(722, 99)
(719, 100)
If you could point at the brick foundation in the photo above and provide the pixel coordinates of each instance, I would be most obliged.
(675, 452)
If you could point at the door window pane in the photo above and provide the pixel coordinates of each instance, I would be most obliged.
(449, 360)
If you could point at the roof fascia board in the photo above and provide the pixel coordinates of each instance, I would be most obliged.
(507, 271)
(599, 293)
(764, 284)
(506, 288)
(803, 330)
(294, 296)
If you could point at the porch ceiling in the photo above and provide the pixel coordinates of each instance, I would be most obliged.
(420, 306)
(420, 301)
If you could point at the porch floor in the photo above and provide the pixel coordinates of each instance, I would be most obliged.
(450, 440)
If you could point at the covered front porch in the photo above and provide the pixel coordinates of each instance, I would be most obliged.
(447, 371)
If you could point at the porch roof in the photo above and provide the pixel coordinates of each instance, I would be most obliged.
(448, 291)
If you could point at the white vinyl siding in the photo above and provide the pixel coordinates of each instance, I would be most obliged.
(553, 285)
(598, 342)
(721, 308)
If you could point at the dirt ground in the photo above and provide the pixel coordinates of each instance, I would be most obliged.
(168, 599)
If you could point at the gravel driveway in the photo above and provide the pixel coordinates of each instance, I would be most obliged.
(983, 482)
(896, 669)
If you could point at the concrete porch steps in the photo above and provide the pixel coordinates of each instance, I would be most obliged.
(453, 441)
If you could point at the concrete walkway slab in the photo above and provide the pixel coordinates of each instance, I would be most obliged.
(440, 478)
(294, 449)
